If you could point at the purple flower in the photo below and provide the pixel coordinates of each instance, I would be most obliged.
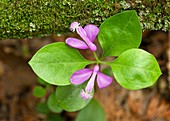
(81, 76)
(88, 34)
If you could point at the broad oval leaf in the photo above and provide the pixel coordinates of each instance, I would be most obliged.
(56, 62)
(53, 106)
(135, 69)
(41, 81)
(120, 33)
(93, 112)
(68, 97)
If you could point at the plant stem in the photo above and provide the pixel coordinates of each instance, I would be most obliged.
(97, 59)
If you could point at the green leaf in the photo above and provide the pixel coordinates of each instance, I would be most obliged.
(93, 112)
(43, 108)
(135, 69)
(107, 71)
(42, 82)
(120, 33)
(68, 97)
(53, 106)
(54, 117)
(56, 62)
(39, 91)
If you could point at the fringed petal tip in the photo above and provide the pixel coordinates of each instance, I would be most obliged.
(103, 80)
(76, 43)
(80, 76)
(74, 25)
(85, 95)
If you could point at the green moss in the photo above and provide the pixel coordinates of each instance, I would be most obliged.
(34, 18)
(154, 15)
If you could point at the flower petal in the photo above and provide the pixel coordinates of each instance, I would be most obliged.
(91, 31)
(90, 84)
(76, 43)
(103, 80)
(81, 31)
(83, 35)
(80, 76)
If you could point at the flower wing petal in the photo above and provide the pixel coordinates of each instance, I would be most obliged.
(76, 43)
(103, 80)
(80, 76)
(91, 31)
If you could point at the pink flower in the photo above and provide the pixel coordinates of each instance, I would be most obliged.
(88, 34)
(81, 76)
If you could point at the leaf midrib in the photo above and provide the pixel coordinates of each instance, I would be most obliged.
(133, 67)
(118, 37)
(60, 62)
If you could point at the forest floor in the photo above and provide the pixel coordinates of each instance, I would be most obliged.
(17, 82)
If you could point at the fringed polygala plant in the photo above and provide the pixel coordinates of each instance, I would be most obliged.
(61, 63)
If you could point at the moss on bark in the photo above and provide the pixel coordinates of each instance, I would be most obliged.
(34, 18)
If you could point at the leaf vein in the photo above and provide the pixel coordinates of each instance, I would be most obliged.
(119, 36)
(142, 68)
